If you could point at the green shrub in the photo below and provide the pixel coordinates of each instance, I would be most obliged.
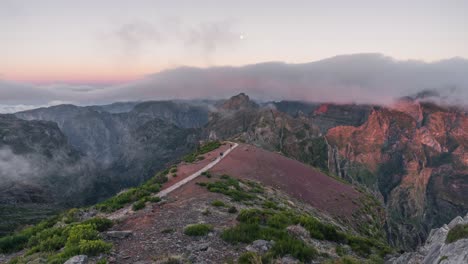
(94, 247)
(270, 205)
(360, 245)
(197, 229)
(100, 224)
(295, 248)
(218, 203)
(19, 240)
(82, 232)
(140, 204)
(13, 243)
(456, 233)
(154, 199)
(320, 230)
(207, 147)
(250, 258)
(206, 174)
(101, 261)
(253, 216)
(241, 233)
(173, 170)
(232, 210)
(71, 216)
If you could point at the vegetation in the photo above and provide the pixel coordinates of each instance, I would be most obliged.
(206, 174)
(218, 203)
(19, 240)
(139, 195)
(230, 186)
(456, 233)
(72, 239)
(250, 258)
(271, 224)
(207, 147)
(197, 229)
(140, 204)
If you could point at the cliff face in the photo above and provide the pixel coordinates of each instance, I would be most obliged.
(413, 155)
(437, 249)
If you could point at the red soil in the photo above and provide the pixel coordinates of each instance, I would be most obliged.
(292, 177)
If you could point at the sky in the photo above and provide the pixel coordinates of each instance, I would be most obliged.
(110, 42)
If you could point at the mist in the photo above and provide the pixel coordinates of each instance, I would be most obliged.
(359, 78)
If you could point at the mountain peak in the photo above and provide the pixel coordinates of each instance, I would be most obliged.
(237, 102)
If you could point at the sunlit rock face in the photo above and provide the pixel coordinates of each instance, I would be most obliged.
(415, 156)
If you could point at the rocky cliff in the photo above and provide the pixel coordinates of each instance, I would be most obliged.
(414, 155)
(439, 247)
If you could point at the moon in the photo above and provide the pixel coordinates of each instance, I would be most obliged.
(241, 36)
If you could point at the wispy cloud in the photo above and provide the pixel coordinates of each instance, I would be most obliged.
(204, 39)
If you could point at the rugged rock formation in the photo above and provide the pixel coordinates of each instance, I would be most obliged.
(331, 115)
(437, 249)
(415, 157)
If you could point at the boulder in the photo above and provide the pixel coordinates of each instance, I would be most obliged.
(298, 231)
(260, 246)
(80, 259)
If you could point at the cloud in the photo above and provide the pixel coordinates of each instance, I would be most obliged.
(205, 38)
(134, 35)
(360, 78)
(209, 37)
(14, 167)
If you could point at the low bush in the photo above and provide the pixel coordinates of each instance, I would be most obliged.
(241, 233)
(218, 203)
(19, 240)
(250, 258)
(456, 233)
(232, 210)
(140, 204)
(197, 229)
(295, 248)
(93, 247)
(197, 155)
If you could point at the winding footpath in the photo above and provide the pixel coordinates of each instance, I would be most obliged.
(196, 174)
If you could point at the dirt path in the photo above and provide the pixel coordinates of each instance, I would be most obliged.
(196, 174)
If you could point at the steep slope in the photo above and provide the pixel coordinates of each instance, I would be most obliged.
(415, 157)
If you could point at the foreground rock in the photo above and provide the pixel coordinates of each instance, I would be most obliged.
(81, 259)
(437, 250)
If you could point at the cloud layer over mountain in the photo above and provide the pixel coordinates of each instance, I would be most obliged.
(360, 78)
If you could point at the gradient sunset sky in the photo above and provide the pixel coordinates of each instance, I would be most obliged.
(112, 41)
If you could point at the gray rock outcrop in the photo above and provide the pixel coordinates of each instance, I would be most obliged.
(436, 250)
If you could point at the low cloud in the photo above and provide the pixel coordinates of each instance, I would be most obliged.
(361, 78)
(14, 167)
